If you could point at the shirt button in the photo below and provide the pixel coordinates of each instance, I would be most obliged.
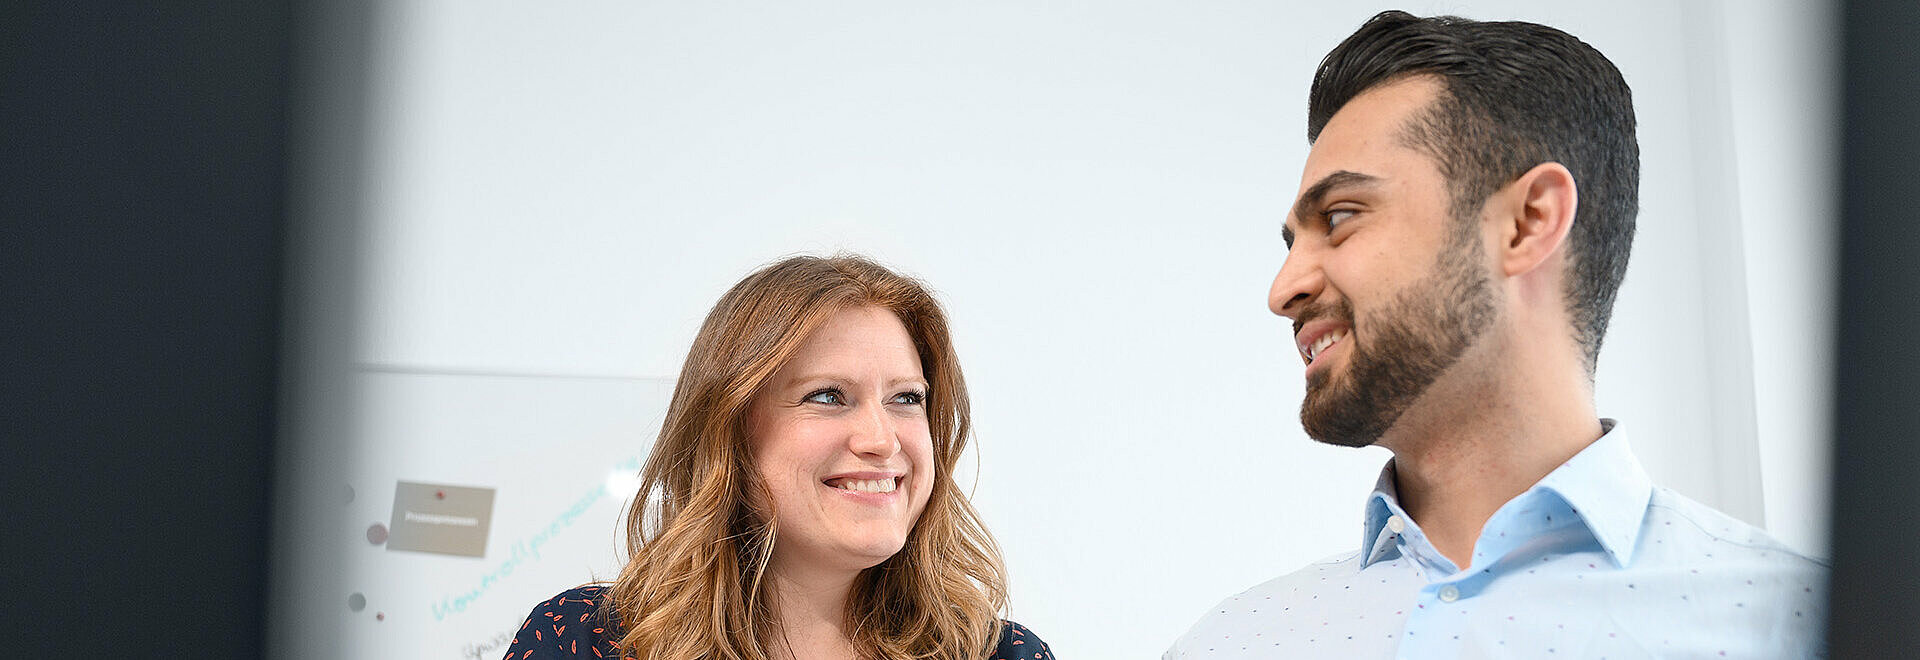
(1449, 594)
(1396, 524)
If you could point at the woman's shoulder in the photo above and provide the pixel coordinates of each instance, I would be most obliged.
(568, 625)
(1016, 641)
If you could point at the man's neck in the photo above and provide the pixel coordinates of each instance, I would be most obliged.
(1478, 440)
(812, 611)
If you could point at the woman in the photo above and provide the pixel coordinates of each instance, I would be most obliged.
(799, 502)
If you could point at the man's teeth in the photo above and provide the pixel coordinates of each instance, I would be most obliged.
(1323, 342)
(866, 485)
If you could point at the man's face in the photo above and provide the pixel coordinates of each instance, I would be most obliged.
(1385, 288)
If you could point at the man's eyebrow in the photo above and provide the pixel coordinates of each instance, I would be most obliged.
(1319, 190)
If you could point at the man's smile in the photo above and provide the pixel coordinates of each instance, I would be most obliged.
(1315, 337)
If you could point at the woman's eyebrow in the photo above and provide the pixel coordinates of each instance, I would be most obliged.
(821, 378)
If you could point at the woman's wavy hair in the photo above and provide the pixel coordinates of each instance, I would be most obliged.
(699, 537)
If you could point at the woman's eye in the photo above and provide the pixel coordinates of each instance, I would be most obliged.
(829, 397)
(910, 398)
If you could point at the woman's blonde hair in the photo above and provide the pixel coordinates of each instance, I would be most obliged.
(699, 543)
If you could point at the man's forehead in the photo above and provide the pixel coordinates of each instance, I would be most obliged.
(1368, 136)
(1372, 125)
(1387, 103)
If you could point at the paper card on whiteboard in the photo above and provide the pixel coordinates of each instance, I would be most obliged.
(450, 520)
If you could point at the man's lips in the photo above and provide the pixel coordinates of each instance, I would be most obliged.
(1315, 337)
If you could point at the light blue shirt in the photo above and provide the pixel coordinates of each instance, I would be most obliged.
(1593, 561)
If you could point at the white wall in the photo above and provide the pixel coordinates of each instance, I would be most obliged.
(1783, 70)
(556, 194)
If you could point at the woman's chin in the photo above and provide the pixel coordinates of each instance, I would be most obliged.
(874, 553)
(849, 553)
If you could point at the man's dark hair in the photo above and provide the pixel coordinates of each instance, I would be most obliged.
(1515, 95)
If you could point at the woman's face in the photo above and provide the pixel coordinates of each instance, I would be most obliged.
(841, 441)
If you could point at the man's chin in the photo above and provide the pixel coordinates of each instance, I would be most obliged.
(1334, 418)
(1317, 380)
(1341, 438)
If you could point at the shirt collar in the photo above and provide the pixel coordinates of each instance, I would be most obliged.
(1603, 483)
(1376, 541)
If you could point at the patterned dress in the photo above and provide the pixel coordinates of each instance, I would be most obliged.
(568, 627)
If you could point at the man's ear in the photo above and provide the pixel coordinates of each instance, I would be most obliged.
(1537, 212)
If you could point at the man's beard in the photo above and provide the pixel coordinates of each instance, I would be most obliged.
(1412, 341)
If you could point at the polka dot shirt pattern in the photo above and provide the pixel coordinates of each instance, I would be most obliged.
(569, 626)
(1592, 562)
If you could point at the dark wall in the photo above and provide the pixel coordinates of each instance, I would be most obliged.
(1876, 590)
(144, 149)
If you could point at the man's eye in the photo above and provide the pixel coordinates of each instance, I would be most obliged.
(1336, 216)
(910, 398)
(830, 397)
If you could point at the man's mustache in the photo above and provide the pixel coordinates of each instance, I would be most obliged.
(1338, 309)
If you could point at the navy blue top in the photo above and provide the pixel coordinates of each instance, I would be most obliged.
(567, 627)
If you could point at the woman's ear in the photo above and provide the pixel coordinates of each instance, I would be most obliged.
(1538, 211)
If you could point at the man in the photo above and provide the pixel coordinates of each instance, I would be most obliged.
(1462, 226)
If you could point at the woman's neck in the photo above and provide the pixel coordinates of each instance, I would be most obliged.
(811, 607)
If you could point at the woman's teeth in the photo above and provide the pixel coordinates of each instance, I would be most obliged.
(866, 485)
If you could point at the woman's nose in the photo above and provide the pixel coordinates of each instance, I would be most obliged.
(873, 433)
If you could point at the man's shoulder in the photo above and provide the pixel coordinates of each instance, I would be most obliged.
(1241, 612)
(1304, 579)
(1678, 528)
(1320, 571)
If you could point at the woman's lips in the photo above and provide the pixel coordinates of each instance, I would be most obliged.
(868, 486)
(881, 485)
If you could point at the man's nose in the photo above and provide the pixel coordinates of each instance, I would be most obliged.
(1298, 283)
